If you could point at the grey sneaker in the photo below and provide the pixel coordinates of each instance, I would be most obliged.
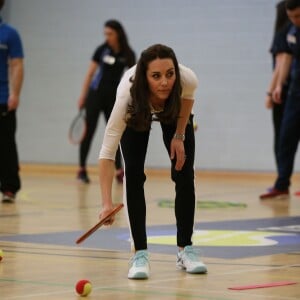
(189, 260)
(139, 265)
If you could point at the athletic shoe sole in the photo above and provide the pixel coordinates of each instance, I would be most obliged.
(6, 200)
(197, 270)
(278, 197)
(139, 275)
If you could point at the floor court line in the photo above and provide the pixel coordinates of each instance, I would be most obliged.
(112, 289)
(120, 258)
(155, 282)
(125, 258)
(124, 288)
(249, 296)
(120, 289)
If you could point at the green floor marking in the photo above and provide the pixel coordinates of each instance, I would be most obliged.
(167, 203)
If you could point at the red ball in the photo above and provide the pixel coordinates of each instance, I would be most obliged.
(83, 287)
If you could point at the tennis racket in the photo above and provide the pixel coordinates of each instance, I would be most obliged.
(100, 223)
(77, 129)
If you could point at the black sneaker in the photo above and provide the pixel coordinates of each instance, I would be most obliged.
(82, 176)
(8, 197)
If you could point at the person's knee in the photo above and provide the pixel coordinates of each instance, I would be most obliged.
(183, 176)
(134, 174)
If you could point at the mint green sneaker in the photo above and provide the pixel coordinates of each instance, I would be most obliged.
(139, 265)
(189, 260)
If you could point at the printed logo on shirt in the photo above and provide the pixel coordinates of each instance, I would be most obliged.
(108, 59)
(3, 46)
(291, 39)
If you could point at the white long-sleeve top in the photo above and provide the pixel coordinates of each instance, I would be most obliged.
(116, 124)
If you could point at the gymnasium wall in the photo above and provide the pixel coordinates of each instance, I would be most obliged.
(226, 42)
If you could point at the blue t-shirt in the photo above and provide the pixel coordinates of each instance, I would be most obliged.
(10, 47)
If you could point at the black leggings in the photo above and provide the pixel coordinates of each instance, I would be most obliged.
(134, 147)
(97, 102)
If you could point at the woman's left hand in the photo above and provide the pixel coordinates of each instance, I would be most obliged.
(178, 152)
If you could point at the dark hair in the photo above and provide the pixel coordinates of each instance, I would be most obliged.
(2, 2)
(139, 112)
(292, 4)
(282, 18)
(123, 41)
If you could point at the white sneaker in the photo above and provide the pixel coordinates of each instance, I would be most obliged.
(188, 260)
(139, 265)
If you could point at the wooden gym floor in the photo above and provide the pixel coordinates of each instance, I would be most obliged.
(244, 241)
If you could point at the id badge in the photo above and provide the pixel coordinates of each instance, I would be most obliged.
(108, 59)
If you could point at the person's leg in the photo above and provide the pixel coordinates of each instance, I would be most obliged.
(92, 108)
(3, 110)
(187, 258)
(10, 179)
(134, 147)
(184, 184)
(277, 116)
(289, 140)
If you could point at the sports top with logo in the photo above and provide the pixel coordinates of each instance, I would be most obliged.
(10, 47)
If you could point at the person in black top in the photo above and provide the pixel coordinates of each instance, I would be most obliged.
(290, 127)
(98, 94)
(282, 26)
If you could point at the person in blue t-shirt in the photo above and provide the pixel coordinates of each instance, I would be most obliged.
(282, 26)
(290, 128)
(11, 79)
(98, 94)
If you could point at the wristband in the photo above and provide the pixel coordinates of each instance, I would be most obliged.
(179, 136)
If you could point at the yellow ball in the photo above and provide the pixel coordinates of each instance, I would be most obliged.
(83, 287)
(1, 254)
(195, 125)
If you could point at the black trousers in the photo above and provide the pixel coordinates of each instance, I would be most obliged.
(277, 116)
(9, 162)
(289, 140)
(134, 147)
(97, 101)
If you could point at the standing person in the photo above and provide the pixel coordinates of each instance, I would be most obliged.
(282, 26)
(11, 79)
(100, 85)
(290, 128)
(156, 88)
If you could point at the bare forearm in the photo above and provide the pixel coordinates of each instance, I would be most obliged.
(272, 84)
(88, 78)
(284, 69)
(185, 112)
(106, 175)
(16, 77)
(275, 75)
(86, 84)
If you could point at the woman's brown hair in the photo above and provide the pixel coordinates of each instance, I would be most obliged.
(139, 112)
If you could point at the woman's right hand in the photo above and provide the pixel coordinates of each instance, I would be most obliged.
(81, 103)
(277, 94)
(104, 212)
(269, 102)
